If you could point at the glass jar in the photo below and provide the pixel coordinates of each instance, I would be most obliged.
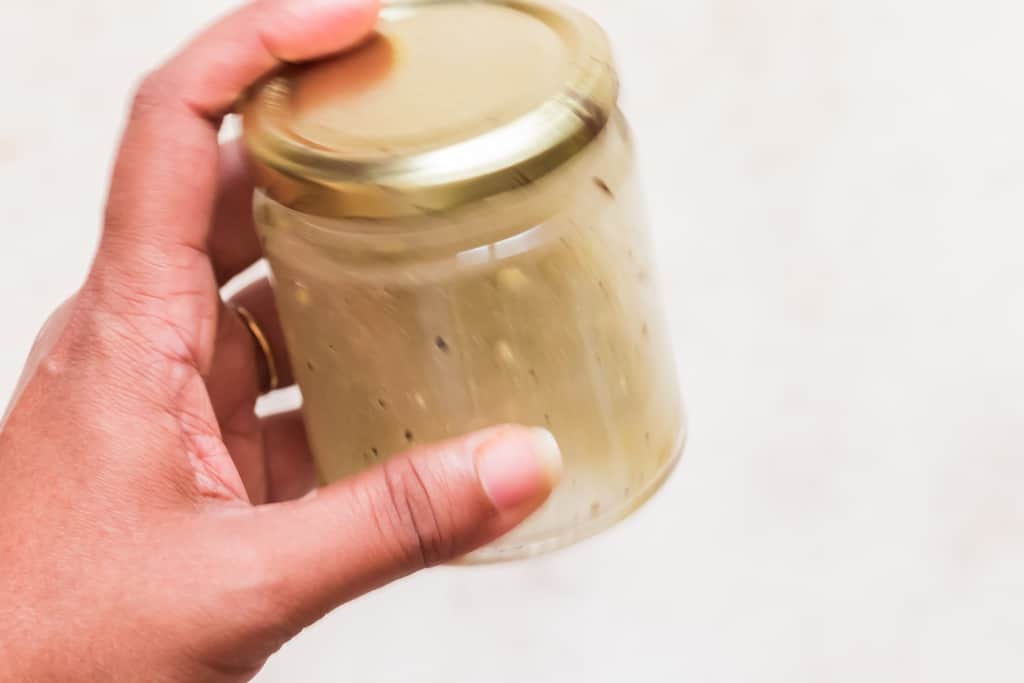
(457, 277)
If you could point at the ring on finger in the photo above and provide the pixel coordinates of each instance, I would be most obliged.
(262, 341)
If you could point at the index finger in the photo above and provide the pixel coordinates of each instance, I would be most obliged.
(169, 148)
(164, 185)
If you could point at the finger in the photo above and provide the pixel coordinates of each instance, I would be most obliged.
(416, 510)
(258, 300)
(291, 473)
(272, 456)
(164, 186)
(241, 370)
(234, 243)
(240, 373)
(179, 107)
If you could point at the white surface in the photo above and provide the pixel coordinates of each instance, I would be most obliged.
(838, 190)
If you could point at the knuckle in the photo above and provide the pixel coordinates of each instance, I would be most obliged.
(54, 328)
(414, 516)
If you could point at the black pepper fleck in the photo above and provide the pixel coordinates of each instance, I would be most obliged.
(408, 435)
(382, 404)
(309, 364)
(375, 452)
(604, 187)
(442, 344)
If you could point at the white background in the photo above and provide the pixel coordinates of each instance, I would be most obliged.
(838, 194)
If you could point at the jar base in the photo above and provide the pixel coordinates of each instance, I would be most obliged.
(534, 547)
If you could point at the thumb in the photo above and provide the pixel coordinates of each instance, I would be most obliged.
(419, 509)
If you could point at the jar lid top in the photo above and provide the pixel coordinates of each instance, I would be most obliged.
(449, 102)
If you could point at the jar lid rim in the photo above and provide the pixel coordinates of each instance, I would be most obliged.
(325, 152)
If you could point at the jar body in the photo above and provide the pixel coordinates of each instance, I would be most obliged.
(537, 307)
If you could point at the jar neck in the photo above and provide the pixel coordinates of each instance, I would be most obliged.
(606, 160)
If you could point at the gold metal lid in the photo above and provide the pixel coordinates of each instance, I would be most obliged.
(450, 102)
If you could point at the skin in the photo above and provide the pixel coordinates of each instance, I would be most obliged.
(152, 527)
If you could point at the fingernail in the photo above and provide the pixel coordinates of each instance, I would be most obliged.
(519, 465)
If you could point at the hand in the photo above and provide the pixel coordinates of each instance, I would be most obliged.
(152, 527)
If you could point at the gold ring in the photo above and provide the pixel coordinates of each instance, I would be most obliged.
(260, 337)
